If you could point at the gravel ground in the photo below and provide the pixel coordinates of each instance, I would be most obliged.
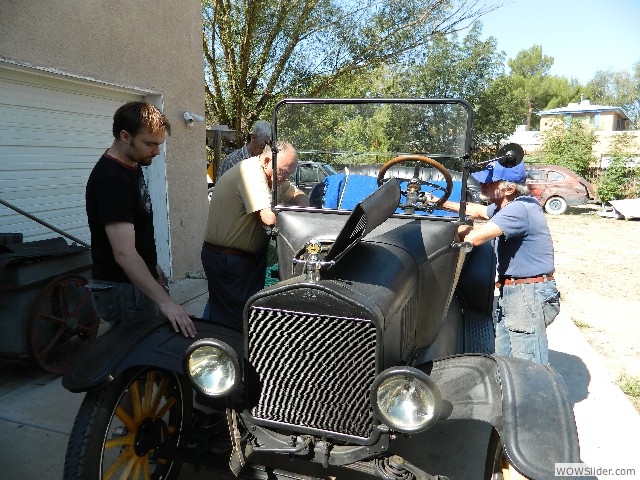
(598, 274)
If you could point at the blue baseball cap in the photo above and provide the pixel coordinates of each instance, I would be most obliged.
(494, 172)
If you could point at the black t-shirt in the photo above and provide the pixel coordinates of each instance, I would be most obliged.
(118, 193)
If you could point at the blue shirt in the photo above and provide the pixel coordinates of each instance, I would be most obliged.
(525, 249)
(230, 160)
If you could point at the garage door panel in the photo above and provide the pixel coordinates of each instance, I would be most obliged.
(60, 95)
(69, 136)
(52, 132)
(34, 231)
(68, 182)
(23, 193)
(32, 136)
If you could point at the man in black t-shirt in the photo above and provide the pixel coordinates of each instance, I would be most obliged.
(127, 282)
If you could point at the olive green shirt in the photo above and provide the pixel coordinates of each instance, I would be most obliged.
(239, 195)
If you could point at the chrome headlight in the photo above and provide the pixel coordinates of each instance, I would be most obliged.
(405, 399)
(213, 367)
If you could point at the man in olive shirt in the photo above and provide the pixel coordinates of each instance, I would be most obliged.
(234, 252)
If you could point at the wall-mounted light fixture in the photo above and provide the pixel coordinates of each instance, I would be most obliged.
(191, 118)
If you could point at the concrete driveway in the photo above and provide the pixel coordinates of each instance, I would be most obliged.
(37, 414)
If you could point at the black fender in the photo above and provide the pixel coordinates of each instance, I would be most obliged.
(526, 402)
(147, 342)
(477, 279)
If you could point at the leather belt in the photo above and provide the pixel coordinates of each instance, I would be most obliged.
(226, 250)
(517, 281)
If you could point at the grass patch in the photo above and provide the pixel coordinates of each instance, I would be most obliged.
(580, 324)
(630, 385)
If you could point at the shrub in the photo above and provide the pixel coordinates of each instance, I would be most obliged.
(569, 146)
(620, 180)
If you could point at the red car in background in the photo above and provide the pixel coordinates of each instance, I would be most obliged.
(557, 188)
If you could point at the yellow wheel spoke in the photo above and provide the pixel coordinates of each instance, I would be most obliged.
(136, 468)
(162, 388)
(135, 401)
(120, 441)
(167, 406)
(124, 417)
(148, 393)
(131, 461)
(146, 475)
(124, 456)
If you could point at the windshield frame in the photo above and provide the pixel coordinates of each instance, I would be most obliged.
(465, 157)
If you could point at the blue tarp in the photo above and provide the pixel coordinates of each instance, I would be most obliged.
(344, 192)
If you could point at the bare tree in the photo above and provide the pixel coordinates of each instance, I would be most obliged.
(257, 51)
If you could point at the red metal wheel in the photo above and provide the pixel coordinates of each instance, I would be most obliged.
(62, 323)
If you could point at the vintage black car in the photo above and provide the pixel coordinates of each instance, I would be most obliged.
(370, 358)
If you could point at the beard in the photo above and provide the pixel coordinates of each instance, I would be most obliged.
(136, 157)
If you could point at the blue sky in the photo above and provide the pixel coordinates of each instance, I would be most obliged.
(583, 36)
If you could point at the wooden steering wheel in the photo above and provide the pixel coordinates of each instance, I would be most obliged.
(419, 159)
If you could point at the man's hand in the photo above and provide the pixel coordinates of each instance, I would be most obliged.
(430, 198)
(463, 231)
(180, 320)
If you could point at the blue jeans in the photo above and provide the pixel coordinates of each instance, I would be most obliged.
(521, 319)
(120, 302)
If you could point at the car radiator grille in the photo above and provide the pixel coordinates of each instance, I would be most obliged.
(315, 370)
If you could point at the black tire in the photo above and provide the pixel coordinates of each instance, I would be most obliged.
(497, 466)
(161, 402)
(555, 206)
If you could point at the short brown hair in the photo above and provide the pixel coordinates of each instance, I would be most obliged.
(133, 116)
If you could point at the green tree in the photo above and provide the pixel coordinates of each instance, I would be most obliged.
(534, 86)
(495, 115)
(470, 68)
(528, 69)
(618, 89)
(569, 146)
(620, 180)
(256, 51)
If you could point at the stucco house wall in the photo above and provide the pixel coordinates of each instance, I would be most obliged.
(155, 47)
(602, 118)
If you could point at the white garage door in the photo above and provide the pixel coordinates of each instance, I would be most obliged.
(52, 132)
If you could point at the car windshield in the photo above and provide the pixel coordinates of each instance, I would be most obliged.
(367, 133)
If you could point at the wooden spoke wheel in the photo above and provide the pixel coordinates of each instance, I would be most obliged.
(131, 428)
(62, 323)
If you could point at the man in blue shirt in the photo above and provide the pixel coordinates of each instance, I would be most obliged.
(260, 136)
(528, 298)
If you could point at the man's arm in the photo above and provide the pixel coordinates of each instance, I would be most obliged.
(122, 239)
(479, 235)
(474, 235)
(476, 210)
(267, 217)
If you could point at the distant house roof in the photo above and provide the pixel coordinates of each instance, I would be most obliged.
(583, 107)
